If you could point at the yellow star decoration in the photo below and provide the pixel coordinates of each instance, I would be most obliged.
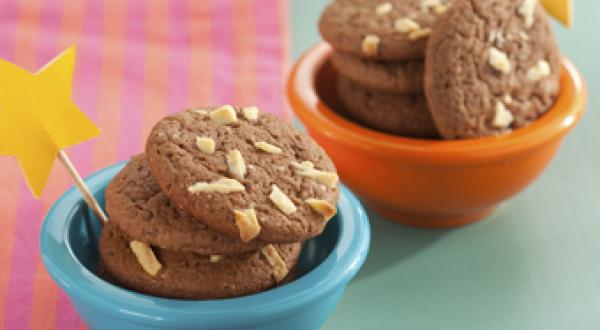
(38, 118)
(562, 10)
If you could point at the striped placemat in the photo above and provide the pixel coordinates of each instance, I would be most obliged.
(138, 60)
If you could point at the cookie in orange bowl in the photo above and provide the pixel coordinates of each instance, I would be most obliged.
(432, 183)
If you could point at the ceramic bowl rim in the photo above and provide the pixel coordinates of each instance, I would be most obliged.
(336, 270)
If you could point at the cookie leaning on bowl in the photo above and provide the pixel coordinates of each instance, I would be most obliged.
(244, 173)
(193, 276)
(136, 204)
(491, 66)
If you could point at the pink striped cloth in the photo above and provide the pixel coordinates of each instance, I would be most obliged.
(138, 60)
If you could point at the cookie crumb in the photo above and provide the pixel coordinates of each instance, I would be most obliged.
(503, 118)
(384, 8)
(539, 71)
(322, 207)
(418, 34)
(527, 10)
(406, 25)
(236, 163)
(329, 179)
(145, 257)
(267, 147)
(507, 99)
(524, 35)
(223, 115)
(499, 60)
(216, 257)
(247, 223)
(250, 113)
(283, 203)
(280, 269)
(223, 185)
(205, 144)
(370, 44)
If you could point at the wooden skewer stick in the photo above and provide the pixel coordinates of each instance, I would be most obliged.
(83, 189)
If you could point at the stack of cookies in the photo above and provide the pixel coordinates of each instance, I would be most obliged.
(451, 68)
(379, 51)
(218, 206)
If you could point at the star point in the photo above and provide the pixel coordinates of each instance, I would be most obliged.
(38, 118)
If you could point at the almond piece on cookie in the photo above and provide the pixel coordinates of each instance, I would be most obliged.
(145, 256)
(280, 269)
(247, 223)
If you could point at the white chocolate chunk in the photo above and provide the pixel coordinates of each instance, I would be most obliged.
(418, 34)
(539, 71)
(250, 113)
(267, 147)
(283, 203)
(384, 8)
(322, 207)
(527, 11)
(499, 60)
(507, 99)
(280, 269)
(524, 35)
(247, 224)
(236, 163)
(223, 115)
(145, 257)
(205, 144)
(503, 118)
(329, 179)
(216, 257)
(370, 45)
(406, 25)
(223, 185)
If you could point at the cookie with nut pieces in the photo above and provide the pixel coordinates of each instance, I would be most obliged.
(383, 30)
(389, 76)
(401, 114)
(136, 204)
(254, 181)
(491, 67)
(166, 273)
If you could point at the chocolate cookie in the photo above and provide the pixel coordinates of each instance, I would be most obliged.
(390, 76)
(135, 202)
(243, 173)
(384, 30)
(401, 114)
(192, 276)
(491, 66)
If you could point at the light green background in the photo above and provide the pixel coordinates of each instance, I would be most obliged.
(534, 264)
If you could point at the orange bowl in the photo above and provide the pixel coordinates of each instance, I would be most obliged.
(429, 183)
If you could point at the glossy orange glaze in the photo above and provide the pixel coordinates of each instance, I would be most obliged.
(429, 183)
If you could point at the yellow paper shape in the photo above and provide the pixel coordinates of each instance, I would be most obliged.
(562, 10)
(38, 118)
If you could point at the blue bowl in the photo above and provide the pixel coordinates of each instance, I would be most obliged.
(69, 247)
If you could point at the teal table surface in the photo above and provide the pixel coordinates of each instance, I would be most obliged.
(534, 264)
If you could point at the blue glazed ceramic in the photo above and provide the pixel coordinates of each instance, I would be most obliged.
(69, 238)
